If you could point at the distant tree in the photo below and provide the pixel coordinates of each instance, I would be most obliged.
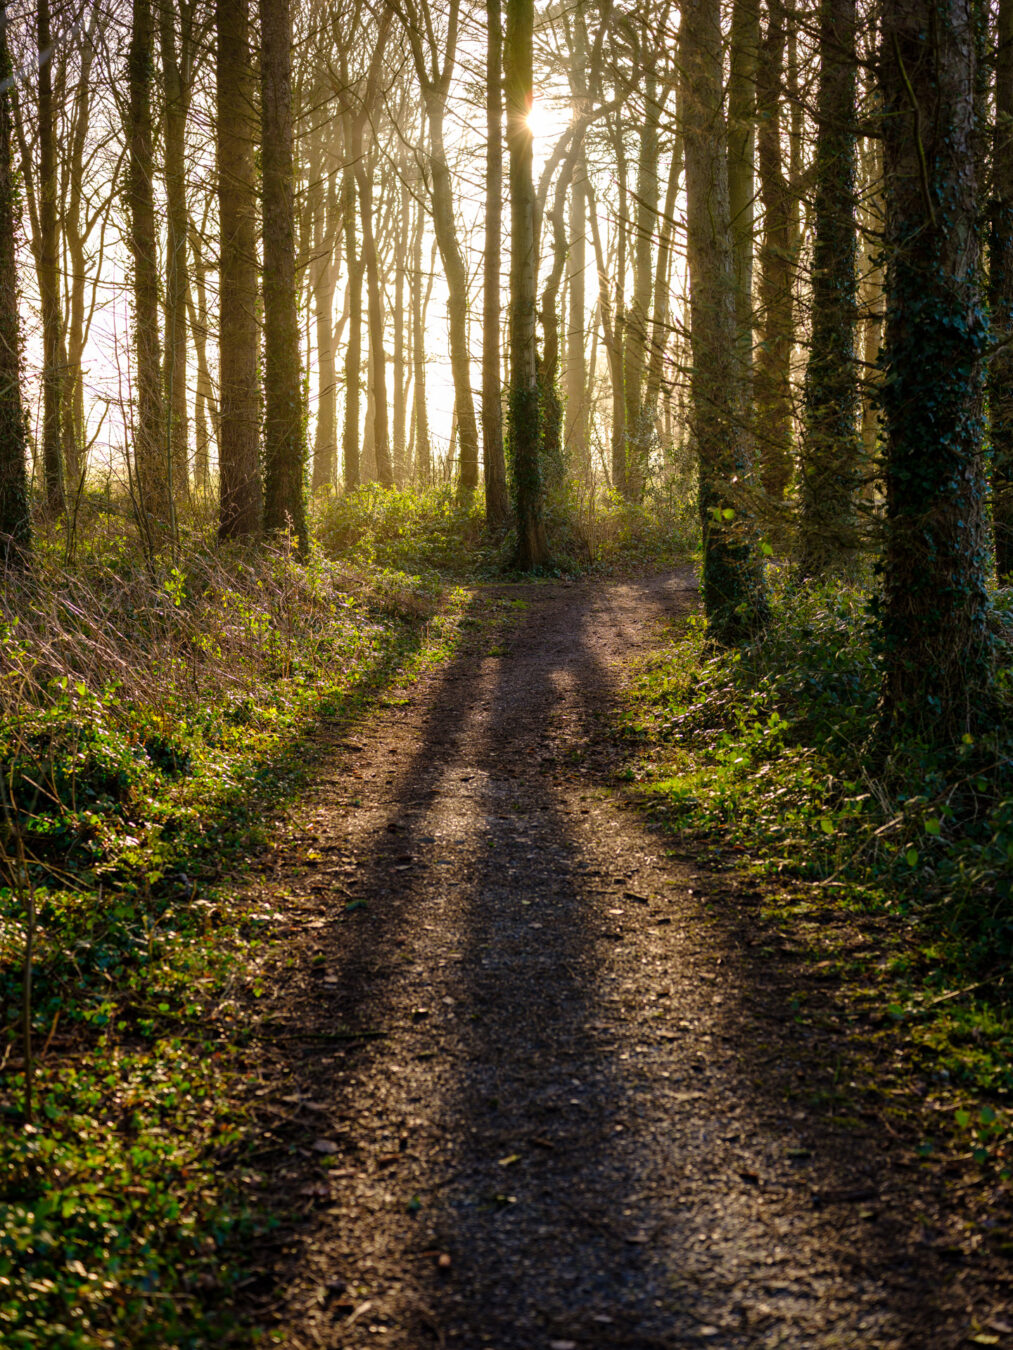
(49, 270)
(639, 425)
(772, 378)
(525, 422)
(733, 588)
(831, 458)
(934, 607)
(150, 461)
(284, 429)
(744, 43)
(363, 166)
(15, 516)
(497, 504)
(178, 58)
(239, 332)
(434, 52)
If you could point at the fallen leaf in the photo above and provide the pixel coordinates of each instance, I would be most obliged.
(509, 1161)
(325, 1146)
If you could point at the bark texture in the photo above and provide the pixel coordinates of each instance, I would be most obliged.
(1000, 384)
(934, 607)
(831, 455)
(284, 427)
(525, 420)
(239, 335)
(497, 504)
(177, 100)
(49, 272)
(15, 516)
(772, 379)
(733, 590)
(151, 478)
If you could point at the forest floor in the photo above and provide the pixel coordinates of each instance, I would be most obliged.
(528, 1072)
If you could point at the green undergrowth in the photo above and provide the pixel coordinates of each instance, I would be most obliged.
(153, 716)
(439, 532)
(769, 753)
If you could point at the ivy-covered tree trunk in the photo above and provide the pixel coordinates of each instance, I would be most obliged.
(733, 585)
(497, 503)
(15, 516)
(1000, 371)
(831, 454)
(284, 430)
(150, 460)
(525, 420)
(934, 606)
(772, 379)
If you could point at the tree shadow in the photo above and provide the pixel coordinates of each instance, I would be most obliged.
(590, 1131)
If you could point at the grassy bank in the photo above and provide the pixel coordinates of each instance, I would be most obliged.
(893, 875)
(153, 717)
(437, 532)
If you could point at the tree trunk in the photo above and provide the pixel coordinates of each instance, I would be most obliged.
(772, 371)
(240, 507)
(661, 329)
(617, 364)
(15, 514)
(575, 369)
(76, 226)
(400, 268)
(733, 588)
(830, 462)
(745, 42)
(353, 350)
(380, 424)
(457, 288)
(937, 650)
(423, 445)
(871, 293)
(284, 434)
(639, 428)
(176, 280)
(525, 422)
(49, 273)
(497, 505)
(1000, 371)
(204, 413)
(150, 461)
(325, 280)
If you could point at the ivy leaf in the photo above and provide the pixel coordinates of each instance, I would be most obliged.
(911, 857)
(933, 826)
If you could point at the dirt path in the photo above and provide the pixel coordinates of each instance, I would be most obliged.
(540, 1090)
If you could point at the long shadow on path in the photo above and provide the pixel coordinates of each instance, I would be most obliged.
(580, 1125)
